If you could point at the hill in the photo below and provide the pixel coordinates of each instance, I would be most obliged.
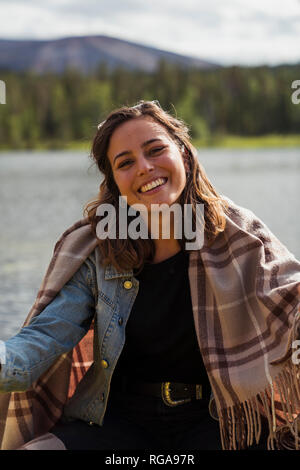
(85, 53)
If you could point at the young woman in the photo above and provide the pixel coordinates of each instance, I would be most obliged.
(142, 341)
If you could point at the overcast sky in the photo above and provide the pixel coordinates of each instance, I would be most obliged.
(244, 32)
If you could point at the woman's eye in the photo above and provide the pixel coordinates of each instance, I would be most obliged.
(153, 151)
(124, 163)
(156, 149)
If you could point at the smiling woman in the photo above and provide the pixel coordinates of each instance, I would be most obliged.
(143, 344)
(136, 149)
(153, 170)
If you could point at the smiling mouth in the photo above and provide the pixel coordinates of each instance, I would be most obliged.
(154, 184)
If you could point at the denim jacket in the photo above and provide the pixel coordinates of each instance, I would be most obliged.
(94, 292)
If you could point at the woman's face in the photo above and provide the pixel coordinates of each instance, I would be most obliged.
(146, 163)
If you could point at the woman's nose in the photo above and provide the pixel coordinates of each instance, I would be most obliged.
(143, 165)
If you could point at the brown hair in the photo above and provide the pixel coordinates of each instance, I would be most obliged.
(129, 253)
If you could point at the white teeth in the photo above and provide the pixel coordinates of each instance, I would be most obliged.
(152, 185)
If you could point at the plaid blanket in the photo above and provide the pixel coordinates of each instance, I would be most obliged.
(245, 305)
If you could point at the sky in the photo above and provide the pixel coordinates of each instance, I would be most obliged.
(245, 32)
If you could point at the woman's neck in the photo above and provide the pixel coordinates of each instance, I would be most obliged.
(164, 249)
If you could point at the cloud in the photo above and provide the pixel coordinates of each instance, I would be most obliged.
(234, 31)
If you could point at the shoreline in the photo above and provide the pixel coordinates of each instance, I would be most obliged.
(226, 141)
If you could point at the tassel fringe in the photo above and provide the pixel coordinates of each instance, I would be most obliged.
(241, 423)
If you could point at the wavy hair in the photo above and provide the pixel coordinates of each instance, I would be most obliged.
(132, 254)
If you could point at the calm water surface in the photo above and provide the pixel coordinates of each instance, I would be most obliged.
(42, 194)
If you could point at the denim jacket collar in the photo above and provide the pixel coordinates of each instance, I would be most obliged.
(112, 273)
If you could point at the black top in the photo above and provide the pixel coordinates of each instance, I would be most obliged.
(161, 343)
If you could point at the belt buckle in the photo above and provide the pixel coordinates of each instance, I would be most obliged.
(166, 396)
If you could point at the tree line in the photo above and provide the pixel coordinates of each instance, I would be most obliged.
(54, 109)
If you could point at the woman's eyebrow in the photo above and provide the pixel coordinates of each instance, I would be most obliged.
(126, 152)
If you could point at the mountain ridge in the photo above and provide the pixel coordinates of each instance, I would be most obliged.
(86, 53)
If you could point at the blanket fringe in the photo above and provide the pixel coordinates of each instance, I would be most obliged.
(279, 403)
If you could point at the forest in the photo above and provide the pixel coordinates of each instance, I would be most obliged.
(60, 111)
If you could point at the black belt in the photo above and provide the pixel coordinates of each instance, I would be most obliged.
(172, 393)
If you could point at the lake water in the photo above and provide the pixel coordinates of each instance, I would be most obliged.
(42, 194)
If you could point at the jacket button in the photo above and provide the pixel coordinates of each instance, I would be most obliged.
(104, 364)
(127, 284)
(120, 321)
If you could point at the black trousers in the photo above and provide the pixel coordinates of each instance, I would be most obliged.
(146, 423)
